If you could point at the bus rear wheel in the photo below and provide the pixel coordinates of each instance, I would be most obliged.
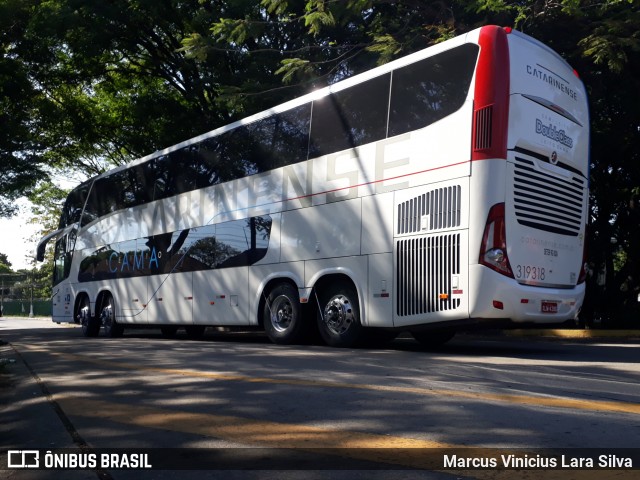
(338, 315)
(282, 315)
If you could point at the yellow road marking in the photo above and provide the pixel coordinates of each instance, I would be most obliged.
(385, 449)
(239, 429)
(538, 401)
(359, 445)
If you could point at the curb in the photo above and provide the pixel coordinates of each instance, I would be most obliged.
(568, 333)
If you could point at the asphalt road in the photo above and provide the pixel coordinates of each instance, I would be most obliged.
(351, 413)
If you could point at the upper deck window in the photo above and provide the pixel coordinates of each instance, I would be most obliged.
(426, 91)
(408, 98)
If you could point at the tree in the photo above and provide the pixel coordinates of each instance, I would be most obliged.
(5, 264)
(87, 85)
(19, 106)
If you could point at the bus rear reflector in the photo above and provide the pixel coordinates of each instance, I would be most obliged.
(493, 250)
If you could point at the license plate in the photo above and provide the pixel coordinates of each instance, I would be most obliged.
(549, 307)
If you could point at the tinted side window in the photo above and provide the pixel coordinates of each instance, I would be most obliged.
(236, 152)
(288, 137)
(230, 244)
(272, 142)
(99, 201)
(180, 171)
(72, 209)
(427, 91)
(133, 183)
(350, 118)
(238, 243)
(59, 261)
(159, 178)
(63, 254)
(120, 190)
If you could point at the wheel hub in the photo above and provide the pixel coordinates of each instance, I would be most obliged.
(281, 313)
(107, 316)
(83, 316)
(338, 314)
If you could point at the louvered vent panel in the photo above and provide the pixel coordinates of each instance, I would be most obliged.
(425, 266)
(484, 127)
(440, 209)
(547, 202)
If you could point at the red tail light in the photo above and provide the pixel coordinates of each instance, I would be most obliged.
(493, 250)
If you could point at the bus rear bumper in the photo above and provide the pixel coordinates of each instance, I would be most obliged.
(496, 296)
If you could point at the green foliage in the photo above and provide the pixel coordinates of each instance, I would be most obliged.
(89, 85)
(4, 260)
(233, 31)
(613, 35)
(292, 67)
(386, 46)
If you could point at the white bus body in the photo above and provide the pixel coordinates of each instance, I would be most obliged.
(413, 198)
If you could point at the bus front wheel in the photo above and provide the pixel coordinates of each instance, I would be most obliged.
(282, 315)
(112, 328)
(90, 324)
(338, 315)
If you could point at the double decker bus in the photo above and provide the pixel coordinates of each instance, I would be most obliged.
(447, 187)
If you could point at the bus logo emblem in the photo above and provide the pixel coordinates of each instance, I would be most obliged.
(550, 131)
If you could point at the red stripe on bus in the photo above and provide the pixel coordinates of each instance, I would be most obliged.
(491, 96)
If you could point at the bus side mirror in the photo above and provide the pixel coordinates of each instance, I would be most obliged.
(43, 244)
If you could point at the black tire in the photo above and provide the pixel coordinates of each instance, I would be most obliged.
(434, 338)
(169, 331)
(90, 324)
(195, 332)
(282, 315)
(338, 315)
(112, 329)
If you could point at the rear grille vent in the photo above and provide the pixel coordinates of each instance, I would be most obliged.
(484, 121)
(425, 266)
(437, 209)
(547, 202)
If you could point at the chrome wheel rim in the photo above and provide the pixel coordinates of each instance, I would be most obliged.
(281, 313)
(338, 314)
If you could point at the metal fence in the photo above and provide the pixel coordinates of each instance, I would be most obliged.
(26, 308)
(19, 296)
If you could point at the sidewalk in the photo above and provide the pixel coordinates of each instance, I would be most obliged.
(28, 420)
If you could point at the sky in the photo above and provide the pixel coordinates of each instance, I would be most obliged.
(17, 238)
